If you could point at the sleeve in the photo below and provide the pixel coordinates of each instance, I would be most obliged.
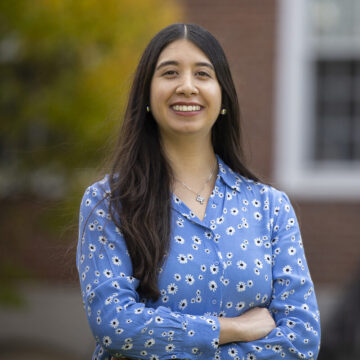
(121, 324)
(293, 303)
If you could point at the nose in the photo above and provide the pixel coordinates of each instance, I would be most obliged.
(187, 86)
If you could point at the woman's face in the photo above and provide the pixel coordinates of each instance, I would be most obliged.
(185, 96)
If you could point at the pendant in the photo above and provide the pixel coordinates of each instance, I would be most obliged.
(200, 199)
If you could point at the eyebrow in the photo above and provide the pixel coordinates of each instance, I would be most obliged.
(173, 62)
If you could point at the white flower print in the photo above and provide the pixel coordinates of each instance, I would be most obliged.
(250, 357)
(277, 348)
(108, 273)
(232, 352)
(195, 350)
(172, 288)
(196, 239)
(179, 239)
(250, 283)
(107, 340)
(230, 230)
(229, 305)
(102, 239)
(214, 269)
(215, 343)
(220, 219)
(170, 347)
(127, 346)
(241, 286)
(100, 212)
(241, 264)
(182, 259)
(258, 241)
(183, 304)
(257, 348)
(240, 305)
(258, 263)
(116, 260)
(257, 215)
(189, 279)
(291, 336)
(287, 269)
(92, 247)
(149, 343)
(212, 285)
(114, 323)
(237, 254)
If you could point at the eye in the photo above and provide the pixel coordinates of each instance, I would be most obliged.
(203, 74)
(170, 73)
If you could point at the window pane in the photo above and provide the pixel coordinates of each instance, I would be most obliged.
(334, 18)
(337, 133)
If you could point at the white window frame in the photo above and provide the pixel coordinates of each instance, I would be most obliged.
(294, 169)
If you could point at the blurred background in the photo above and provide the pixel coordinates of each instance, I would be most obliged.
(65, 71)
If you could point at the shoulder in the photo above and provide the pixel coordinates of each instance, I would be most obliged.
(96, 193)
(249, 188)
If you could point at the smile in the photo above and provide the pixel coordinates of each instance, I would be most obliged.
(186, 108)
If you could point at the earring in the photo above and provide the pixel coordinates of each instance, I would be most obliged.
(223, 111)
(147, 108)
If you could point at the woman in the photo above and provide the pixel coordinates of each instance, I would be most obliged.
(182, 252)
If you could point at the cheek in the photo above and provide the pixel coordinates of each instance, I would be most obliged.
(215, 96)
(158, 95)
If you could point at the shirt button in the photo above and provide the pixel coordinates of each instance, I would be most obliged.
(214, 301)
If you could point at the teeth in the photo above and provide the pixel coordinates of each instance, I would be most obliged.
(186, 108)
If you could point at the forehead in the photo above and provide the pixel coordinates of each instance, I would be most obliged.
(182, 50)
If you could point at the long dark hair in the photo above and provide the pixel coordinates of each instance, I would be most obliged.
(141, 176)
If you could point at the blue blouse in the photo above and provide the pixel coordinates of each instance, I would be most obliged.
(246, 252)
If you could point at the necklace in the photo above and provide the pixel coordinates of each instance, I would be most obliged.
(200, 199)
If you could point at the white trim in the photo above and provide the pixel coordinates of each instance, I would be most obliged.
(294, 170)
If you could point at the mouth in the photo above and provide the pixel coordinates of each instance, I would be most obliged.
(185, 108)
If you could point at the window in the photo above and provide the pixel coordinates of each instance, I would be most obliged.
(318, 98)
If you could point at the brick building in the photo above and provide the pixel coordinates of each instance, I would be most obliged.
(288, 78)
(296, 66)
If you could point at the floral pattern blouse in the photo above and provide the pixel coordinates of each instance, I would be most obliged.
(246, 252)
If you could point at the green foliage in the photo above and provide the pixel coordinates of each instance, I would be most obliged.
(65, 69)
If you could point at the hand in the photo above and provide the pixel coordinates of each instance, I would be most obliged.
(252, 325)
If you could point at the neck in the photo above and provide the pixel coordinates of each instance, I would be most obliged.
(192, 160)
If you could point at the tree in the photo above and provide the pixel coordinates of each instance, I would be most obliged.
(65, 68)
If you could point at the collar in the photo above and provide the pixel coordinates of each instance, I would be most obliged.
(232, 179)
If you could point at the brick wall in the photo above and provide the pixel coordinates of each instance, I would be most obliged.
(247, 31)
